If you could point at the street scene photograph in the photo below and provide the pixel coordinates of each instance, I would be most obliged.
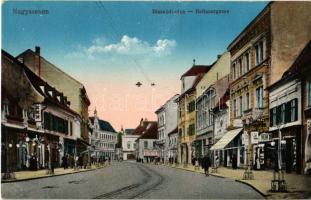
(155, 100)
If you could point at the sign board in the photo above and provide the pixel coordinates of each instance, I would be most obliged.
(154, 153)
(245, 138)
(37, 111)
(254, 137)
(264, 137)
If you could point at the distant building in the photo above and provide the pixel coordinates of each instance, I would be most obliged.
(103, 138)
(173, 146)
(128, 144)
(145, 144)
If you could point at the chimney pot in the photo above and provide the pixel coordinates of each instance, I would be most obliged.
(37, 61)
(37, 50)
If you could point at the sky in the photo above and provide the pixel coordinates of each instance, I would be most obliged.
(110, 46)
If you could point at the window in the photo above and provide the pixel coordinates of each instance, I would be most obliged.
(273, 117)
(191, 129)
(191, 106)
(247, 102)
(234, 71)
(54, 123)
(134, 145)
(241, 66)
(247, 61)
(241, 106)
(259, 97)
(259, 52)
(234, 108)
(145, 144)
(128, 145)
(309, 93)
(283, 114)
(293, 110)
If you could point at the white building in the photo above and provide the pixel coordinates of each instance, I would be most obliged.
(173, 145)
(129, 144)
(103, 138)
(167, 122)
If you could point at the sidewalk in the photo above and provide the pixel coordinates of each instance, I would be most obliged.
(298, 186)
(30, 175)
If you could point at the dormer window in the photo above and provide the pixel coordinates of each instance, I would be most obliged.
(58, 98)
(50, 93)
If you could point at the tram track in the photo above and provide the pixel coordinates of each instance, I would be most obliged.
(151, 180)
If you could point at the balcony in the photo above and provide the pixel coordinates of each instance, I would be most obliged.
(258, 113)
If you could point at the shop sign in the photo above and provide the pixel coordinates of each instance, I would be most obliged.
(254, 137)
(265, 137)
(154, 153)
(245, 138)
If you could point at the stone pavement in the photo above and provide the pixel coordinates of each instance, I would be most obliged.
(298, 186)
(30, 175)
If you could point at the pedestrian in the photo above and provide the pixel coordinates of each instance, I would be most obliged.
(109, 160)
(234, 162)
(206, 163)
(193, 161)
(216, 161)
(85, 160)
(64, 164)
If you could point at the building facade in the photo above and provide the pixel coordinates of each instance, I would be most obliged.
(129, 144)
(208, 94)
(186, 112)
(38, 127)
(167, 122)
(104, 138)
(257, 61)
(72, 89)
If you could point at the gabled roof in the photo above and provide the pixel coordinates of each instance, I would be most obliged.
(195, 83)
(150, 131)
(196, 70)
(103, 125)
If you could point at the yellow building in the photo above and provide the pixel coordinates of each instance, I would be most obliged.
(187, 114)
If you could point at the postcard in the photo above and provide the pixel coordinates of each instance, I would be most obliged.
(155, 100)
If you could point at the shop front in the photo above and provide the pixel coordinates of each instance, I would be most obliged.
(229, 149)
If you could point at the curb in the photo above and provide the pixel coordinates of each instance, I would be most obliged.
(48, 176)
(219, 176)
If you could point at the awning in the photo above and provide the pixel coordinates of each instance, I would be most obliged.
(226, 139)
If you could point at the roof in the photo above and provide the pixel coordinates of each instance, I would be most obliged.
(196, 82)
(242, 33)
(175, 130)
(129, 131)
(163, 106)
(197, 69)
(302, 59)
(50, 94)
(150, 131)
(221, 104)
(82, 87)
(103, 125)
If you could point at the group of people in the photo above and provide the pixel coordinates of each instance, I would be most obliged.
(71, 161)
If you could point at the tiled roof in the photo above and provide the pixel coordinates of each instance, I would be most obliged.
(151, 131)
(197, 69)
(103, 125)
(196, 82)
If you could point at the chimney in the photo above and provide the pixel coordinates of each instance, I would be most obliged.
(218, 56)
(37, 61)
(142, 122)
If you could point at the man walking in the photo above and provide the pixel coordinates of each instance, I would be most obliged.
(206, 163)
